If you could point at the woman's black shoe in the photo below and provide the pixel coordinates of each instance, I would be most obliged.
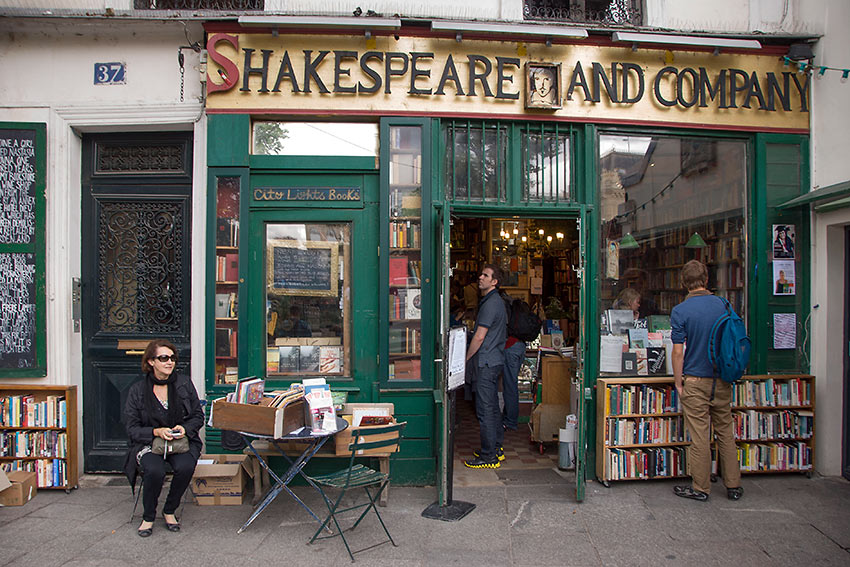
(172, 527)
(146, 532)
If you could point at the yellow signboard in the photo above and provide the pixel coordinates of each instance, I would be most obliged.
(260, 73)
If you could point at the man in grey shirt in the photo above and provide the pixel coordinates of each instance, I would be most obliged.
(486, 354)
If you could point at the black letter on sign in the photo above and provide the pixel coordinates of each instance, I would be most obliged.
(657, 86)
(262, 71)
(450, 74)
(371, 73)
(287, 71)
(338, 57)
(414, 72)
(680, 87)
(718, 90)
(774, 88)
(501, 63)
(734, 88)
(755, 91)
(390, 72)
(600, 78)
(310, 71)
(578, 80)
(474, 75)
(804, 92)
(627, 67)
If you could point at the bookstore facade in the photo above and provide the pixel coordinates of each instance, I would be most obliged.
(356, 186)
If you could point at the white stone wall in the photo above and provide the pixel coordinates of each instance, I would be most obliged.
(829, 148)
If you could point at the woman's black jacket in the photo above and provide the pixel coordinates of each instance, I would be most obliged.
(140, 426)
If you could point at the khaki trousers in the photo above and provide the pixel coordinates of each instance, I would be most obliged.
(701, 412)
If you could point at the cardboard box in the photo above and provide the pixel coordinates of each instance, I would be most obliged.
(17, 487)
(259, 419)
(556, 375)
(547, 421)
(223, 482)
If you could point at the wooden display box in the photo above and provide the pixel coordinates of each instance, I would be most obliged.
(258, 418)
(556, 375)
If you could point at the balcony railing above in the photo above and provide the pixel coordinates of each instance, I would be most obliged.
(605, 12)
(198, 4)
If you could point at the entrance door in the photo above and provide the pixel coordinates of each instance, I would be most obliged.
(581, 349)
(136, 234)
(845, 469)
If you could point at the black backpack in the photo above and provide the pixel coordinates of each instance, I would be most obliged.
(523, 322)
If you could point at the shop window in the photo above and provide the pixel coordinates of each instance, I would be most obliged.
(308, 299)
(315, 139)
(475, 161)
(545, 164)
(664, 200)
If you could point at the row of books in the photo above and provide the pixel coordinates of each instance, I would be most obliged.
(643, 398)
(303, 358)
(226, 305)
(227, 232)
(405, 234)
(772, 393)
(227, 267)
(644, 431)
(775, 456)
(25, 411)
(282, 398)
(764, 425)
(626, 464)
(405, 369)
(225, 342)
(405, 340)
(49, 472)
(406, 303)
(226, 374)
(404, 271)
(34, 444)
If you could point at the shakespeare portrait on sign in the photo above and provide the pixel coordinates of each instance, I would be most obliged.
(543, 81)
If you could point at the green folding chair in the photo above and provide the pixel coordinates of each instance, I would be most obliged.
(359, 476)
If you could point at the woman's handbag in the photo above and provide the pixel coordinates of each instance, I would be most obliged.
(162, 447)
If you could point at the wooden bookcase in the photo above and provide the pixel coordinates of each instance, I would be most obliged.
(44, 444)
(226, 297)
(641, 428)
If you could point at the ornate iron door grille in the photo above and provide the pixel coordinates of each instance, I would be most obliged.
(140, 245)
(617, 12)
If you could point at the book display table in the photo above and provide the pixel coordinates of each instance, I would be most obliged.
(312, 442)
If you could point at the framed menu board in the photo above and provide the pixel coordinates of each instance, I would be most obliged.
(298, 267)
(23, 328)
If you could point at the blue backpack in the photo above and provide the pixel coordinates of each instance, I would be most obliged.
(729, 345)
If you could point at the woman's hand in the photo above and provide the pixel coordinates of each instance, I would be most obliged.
(178, 431)
(164, 432)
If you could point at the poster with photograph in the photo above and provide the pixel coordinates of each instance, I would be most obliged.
(784, 277)
(784, 237)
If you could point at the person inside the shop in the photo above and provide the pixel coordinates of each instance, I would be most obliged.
(295, 326)
(162, 405)
(628, 299)
(637, 278)
(514, 355)
(486, 357)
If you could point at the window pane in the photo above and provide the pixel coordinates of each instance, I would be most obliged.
(315, 139)
(546, 166)
(665, 201)
(308, 299)
(476, 162)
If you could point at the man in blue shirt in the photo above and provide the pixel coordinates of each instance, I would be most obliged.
(486, 354)
(706, 401)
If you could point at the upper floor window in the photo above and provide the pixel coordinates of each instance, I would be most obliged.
(622, 12)
(315, 139)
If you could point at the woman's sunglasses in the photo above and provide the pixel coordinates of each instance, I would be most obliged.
(166, 357)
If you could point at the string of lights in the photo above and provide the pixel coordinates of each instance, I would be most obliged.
(804, 66)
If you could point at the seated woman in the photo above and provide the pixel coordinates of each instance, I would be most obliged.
(163, 404)
(629, 298)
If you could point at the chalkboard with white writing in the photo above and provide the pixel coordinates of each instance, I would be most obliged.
(310, 268)
(22, 249)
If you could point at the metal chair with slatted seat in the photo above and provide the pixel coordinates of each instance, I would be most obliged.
(356, 476)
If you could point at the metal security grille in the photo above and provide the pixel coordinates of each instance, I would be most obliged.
(545, 163)
(476, 161)
(140, 267)
(198, 4)
(621, 12)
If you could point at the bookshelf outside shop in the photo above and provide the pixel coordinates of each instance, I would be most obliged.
(331, 230)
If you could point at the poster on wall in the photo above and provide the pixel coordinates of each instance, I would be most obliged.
(784, 330)
(612, 260)
(783, 277)
(784, 237)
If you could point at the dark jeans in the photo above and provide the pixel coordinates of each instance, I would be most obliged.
(153, 477)
(487, 410)
(510, 390)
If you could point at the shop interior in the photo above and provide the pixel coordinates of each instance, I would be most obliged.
(538, 257)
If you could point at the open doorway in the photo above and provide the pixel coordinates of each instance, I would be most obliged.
(539, 258)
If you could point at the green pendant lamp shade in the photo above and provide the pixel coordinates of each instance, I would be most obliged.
(695, 241)
(628, 242)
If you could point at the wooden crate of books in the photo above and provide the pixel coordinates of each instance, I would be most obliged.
(259, 419)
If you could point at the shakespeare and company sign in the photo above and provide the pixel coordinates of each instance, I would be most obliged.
(260, 73)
